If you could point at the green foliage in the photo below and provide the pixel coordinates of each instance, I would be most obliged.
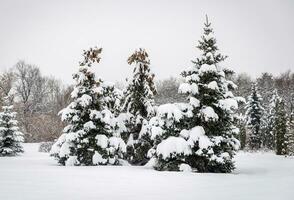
(212, 106)
(254, 119)
(10, 136)
(139, 102)
(89, 137)
(280, 128)
(290, 133)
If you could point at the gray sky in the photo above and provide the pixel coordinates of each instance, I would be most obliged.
(257, 35)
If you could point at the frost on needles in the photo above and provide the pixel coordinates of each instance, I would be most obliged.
(91, 136)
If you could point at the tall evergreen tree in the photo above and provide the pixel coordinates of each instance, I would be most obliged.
(10, 137)
(268, 136)
(254, 119)
(139, 102)
(89, 138)
(290, 132)
(280, 128)
(211, 132)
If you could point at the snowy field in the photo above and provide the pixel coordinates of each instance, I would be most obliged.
(35, 176)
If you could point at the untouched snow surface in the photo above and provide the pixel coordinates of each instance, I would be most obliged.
(35, 176)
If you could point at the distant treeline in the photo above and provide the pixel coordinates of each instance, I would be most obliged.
(39, 98)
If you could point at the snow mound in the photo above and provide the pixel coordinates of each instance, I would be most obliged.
(185, 168)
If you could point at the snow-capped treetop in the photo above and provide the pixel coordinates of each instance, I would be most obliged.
(207, 45)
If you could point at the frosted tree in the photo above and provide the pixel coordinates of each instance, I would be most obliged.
(254, 118)
(90, 137)
(280, 128)
(268, 136)
(139, 102)
(290, 133)
(10, 137)
(208, 140)
(266, 87)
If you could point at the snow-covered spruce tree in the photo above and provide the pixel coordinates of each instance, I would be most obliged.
(290, 132)
(139, 102)
(268, 136)
(254, 114)
(280, 128)
(10, 137)
(209, 140)
(90, 137)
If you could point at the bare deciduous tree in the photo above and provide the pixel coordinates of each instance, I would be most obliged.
(6, 84)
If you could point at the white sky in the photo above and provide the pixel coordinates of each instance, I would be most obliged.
(257, 35)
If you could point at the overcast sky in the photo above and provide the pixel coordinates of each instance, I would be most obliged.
(257, 35)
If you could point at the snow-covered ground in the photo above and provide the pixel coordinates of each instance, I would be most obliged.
(35, 176)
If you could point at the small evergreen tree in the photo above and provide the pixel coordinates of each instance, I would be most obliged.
(167, 131)
(90, 137)
(254, 119)
(10, 136)
(139, 102)
(280, 128)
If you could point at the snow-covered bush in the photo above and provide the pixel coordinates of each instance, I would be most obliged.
(10, 137)
(90, 138)
(170, 147)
